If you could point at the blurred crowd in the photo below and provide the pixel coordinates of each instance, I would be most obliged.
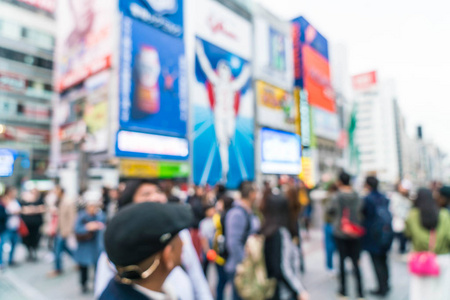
(147, 240)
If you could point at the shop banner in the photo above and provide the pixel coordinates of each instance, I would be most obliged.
(223, 117)
(276, 107)
(153, 169)
(153, 84)
(307, 174)
(224, 28)
(305, 119)
(273, 61)
(280, 152)
(84, 40)
(166, 15)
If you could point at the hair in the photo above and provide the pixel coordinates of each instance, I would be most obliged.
(294, 209)
(276, 215)
(332, 188)
(372, 182)
(221, 190)
(126, 197)
(227, 203)
(246, 188)
(344, 178)
(429, 210)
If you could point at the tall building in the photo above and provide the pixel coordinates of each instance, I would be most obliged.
(26, 64)
(376, 132)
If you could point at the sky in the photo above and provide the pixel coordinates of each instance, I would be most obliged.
(407, 41)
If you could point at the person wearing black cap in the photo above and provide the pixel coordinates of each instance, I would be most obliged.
(188, 281)
(145, 255)
(443, 197)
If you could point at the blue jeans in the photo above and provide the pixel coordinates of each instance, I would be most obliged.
(330, 245)
(223, 280)
(235, 293)
(60, 247)
(13, 237)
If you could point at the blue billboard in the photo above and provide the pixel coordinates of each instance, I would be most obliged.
(7, 159)
(166, 15)
(153, 84)
(223, 138)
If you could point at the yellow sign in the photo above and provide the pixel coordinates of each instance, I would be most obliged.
(95, 116)
(153, 169)
(307, 174)
(272, 97)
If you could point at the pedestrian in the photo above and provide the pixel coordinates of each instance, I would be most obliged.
(145, 256)
(189, 282)
(89, 233)
(428, 228)
(11, 234)
(282, 256)
(346, 209)
(330, 245)
(223, 206)
(400, 207)
(113, 205)
(238, 227)
(307, 208)
(33, 209)
(197, 203)
(207, 232)
(443, 197)
(66, 213)
(379, 233)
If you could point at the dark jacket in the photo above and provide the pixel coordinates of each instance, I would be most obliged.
(371, 203)
(3, 218)
(119, 291)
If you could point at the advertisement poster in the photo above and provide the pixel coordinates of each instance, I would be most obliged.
(153, 169)
(312, 69)
(166, 15)
(7, 159)
(153, 82)
(84, 40)
(276, 107)
(274, 58)
(280, 152)
(223, 117)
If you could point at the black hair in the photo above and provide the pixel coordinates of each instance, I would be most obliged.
(344, 178)
(126, 197)
(276, 214)
(429, 210)
(246, 188)
(227, 202)
(221, 190)
(372, 182)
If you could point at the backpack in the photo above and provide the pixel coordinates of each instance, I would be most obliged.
(381, 230)
(251, 279)
(219, 242)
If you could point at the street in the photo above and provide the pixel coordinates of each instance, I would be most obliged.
(28, 281)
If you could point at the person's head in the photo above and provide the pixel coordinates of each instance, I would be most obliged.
(113, 194)
(404, 187)
(443, 197)
(332, 188)
(344, 179)
(83, 15)
(429, 211)
(93, 201)
(199, 191)
(276, 214)
(142, 240)
(10, 193)
(248, 191)
(139, 191)
(210, 211)
(221, 190)
(224, 204)
(223, 69)
(372, 183)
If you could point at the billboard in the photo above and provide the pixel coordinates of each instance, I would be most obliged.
(276, 107)
(365, 81)
(84, 40)
(223, 107)
(312, 69)
(280, 152)
(153, 169)
(325, 124)
(166, 15)
(7, 159)
(153, 82)
(273, 61)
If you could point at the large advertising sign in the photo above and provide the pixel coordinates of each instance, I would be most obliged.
(166, 15)
(280, 152)
(223, 117)
(84, 40)
(365, 81)
(312, 69)
(7, 159)
(153, 169)
(152, 81)
(276, 107)
(274, 58)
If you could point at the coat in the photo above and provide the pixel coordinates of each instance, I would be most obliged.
(88, 252)
(67, 214)
(371, 203)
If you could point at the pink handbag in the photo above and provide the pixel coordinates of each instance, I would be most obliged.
(424, 264)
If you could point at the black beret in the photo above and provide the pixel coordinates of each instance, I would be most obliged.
(141, 230)
(445, 191)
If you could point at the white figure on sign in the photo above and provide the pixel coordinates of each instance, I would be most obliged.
(224, 91)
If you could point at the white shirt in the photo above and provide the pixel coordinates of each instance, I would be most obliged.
(167, 295)
(13, 209)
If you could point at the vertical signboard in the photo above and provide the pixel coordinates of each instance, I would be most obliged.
(223, 138)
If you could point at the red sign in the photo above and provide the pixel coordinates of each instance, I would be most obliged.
(364, 81)
(317, 79)
(47, 5)
(12, 82)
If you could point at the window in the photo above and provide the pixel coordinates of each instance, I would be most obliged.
(26, 59)
(34, 37)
